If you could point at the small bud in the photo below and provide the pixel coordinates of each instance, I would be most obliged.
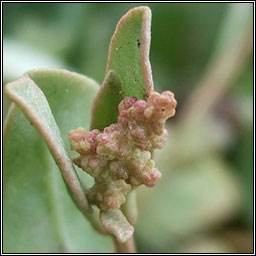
(108, 194)
(79, 140)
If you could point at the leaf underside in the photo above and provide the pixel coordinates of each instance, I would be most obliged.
(39, 215)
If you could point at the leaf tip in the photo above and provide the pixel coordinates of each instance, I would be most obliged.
(9, 86)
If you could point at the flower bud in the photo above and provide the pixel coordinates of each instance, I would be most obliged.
(119, 157)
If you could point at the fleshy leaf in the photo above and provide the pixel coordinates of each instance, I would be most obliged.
(116, 223)
(28, 96)
(128, 57)
(128, 52)
(105, 105)
(39, 213)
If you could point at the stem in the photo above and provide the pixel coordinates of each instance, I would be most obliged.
(127, 247)
(129, 209)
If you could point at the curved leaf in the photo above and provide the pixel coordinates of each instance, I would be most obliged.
(33, 103)
(128, 52)
(39, 215)
(111, 93)
(128, 58)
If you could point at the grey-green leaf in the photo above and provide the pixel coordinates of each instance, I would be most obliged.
(28, 96)
(39, 215)
(128, 52)
(105, 105)
(128, 66)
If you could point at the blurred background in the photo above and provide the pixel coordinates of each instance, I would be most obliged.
(203, 52)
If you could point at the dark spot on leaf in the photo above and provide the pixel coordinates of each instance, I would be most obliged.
(138, 43)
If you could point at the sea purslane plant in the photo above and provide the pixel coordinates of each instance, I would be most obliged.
(127, 123)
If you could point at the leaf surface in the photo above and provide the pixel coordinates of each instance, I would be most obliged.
(39, 215)
(28, 96)
(105, 106)
(128, 58)
(129, 52)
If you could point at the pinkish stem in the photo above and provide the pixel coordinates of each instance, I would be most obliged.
(127, 247)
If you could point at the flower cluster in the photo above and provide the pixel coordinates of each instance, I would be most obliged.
(120, 156)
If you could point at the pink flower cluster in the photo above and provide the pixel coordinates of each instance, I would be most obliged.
(119, 157)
